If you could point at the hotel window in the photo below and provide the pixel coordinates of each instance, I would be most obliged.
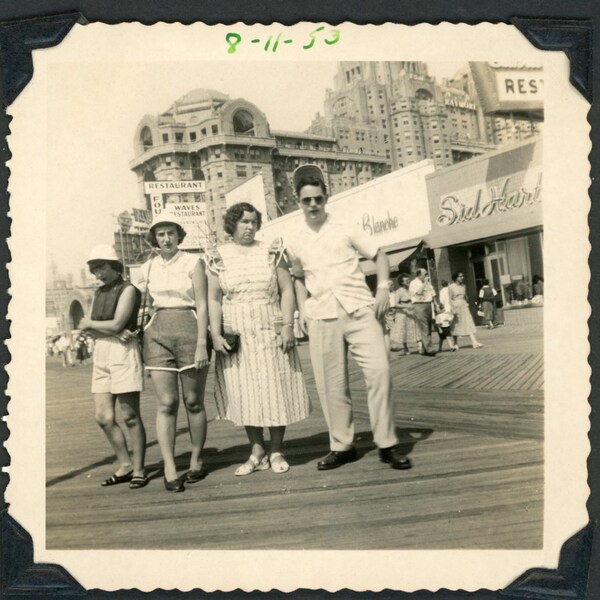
(165, 137)
(203, 132)
(240, 171)
(220, 174)
(179, 136)
(192, 136)
(214, 129)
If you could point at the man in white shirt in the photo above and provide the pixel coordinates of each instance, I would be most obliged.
(422, 295)
(341, 314)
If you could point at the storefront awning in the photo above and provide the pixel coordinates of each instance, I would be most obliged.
(395, 257)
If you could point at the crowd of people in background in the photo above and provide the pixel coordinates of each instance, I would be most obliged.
(248, 304)
(416, 310)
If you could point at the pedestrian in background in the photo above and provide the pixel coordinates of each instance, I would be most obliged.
(63, 348)
(422, 296)
(487, 303)
(463, 323)
(404, 329)
(81, 351)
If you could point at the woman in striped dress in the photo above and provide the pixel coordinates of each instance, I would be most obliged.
(261, 384)
(404, 329)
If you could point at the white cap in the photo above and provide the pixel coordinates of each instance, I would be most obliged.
(165, 219)
(103, 252)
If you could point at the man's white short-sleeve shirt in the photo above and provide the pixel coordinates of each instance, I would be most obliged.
(328, 259)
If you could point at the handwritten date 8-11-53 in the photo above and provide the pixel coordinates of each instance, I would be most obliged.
(271, 44)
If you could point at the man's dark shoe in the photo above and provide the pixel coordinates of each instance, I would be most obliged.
(395, 458)
(336, 459)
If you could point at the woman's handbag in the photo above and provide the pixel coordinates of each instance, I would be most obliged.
(232, 339)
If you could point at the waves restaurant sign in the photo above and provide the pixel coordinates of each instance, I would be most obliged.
(183, 200)
(487, 196)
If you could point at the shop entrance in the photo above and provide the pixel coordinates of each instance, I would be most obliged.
(488, 261)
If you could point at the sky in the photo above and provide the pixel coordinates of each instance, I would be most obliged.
(93, 112)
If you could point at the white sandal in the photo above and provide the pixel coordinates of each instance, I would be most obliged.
(251, 465)
(278, 463)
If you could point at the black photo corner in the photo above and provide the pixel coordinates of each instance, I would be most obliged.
(570, 27)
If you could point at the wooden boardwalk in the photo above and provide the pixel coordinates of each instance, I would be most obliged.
(472, 422)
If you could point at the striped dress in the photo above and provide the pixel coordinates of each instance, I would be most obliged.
(405, 329)
(259, 385)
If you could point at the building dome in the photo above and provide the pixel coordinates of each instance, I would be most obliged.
(201, 95)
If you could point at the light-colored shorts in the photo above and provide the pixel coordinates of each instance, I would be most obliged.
(117, 367)
(170, 340)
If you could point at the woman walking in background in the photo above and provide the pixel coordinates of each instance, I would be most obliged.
(175, 345)
(117, 364)
(487, 301)
(404, 328)
(260, 384)
(463, 323)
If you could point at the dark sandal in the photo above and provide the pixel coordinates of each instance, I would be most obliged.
(116, 479)
(138, 481)
(195, 476)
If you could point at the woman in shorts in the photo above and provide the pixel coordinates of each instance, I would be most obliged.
(117, 365)
(175, 345)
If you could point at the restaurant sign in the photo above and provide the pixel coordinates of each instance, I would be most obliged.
(509, 87)
(166, 200)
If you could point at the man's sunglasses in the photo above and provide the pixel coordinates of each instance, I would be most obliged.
(318, 200)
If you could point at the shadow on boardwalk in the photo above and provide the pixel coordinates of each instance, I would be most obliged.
(476, 443)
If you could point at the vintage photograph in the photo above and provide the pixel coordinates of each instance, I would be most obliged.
(299, 305)
(379, 267)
